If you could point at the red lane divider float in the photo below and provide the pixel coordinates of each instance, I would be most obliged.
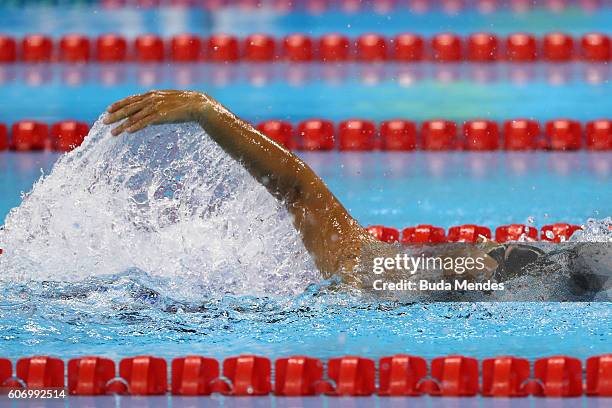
(442, 135)
(598, 375)
(334, 48)
(515, 232)
(455, 376)
(426, 233)
(150, 48)
(351, 376)
(247, 375)
(468, 233)
(296, 376)
(398, 135)
(143, 375)
(371, 47)
(298, 48)
(250, 375)
(40, 372)
(505, 377)
(68, 134)
(365, 135)
(36, 48)
(29, 135)
(111, 48)
(90, 375)
(558, 376)
(401, 375)
(74, 48)
(423, 233)
(194, 375)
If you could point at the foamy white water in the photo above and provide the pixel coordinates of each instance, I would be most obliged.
(166, 200)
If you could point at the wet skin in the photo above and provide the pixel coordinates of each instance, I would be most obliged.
(336, 241)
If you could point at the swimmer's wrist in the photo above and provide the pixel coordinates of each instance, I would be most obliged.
(207, 109)
(201, 107)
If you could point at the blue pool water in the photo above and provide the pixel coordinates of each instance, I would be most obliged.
(295, 92)
(136, 312)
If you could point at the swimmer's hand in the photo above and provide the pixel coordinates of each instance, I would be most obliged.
(156, 107)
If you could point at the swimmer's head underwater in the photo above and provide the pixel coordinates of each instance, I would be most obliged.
(335, 240)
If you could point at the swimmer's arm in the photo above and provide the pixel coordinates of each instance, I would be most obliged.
(329, 233)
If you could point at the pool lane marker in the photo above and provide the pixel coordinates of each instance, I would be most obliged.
(365, 135)
(425, 233)
(250, 375)
(482, 47)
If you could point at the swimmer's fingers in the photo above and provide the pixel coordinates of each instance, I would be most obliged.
(126, 101)
(133, 119)
(152, 119)
(126, 111)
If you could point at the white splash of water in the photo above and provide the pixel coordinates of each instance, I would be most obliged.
(166, 200)
(594, 231)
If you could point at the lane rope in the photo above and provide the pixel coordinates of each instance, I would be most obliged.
(329, 48)
(251, 375)
(365, 135)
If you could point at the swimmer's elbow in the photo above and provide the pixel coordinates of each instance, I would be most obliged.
(295, 187)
